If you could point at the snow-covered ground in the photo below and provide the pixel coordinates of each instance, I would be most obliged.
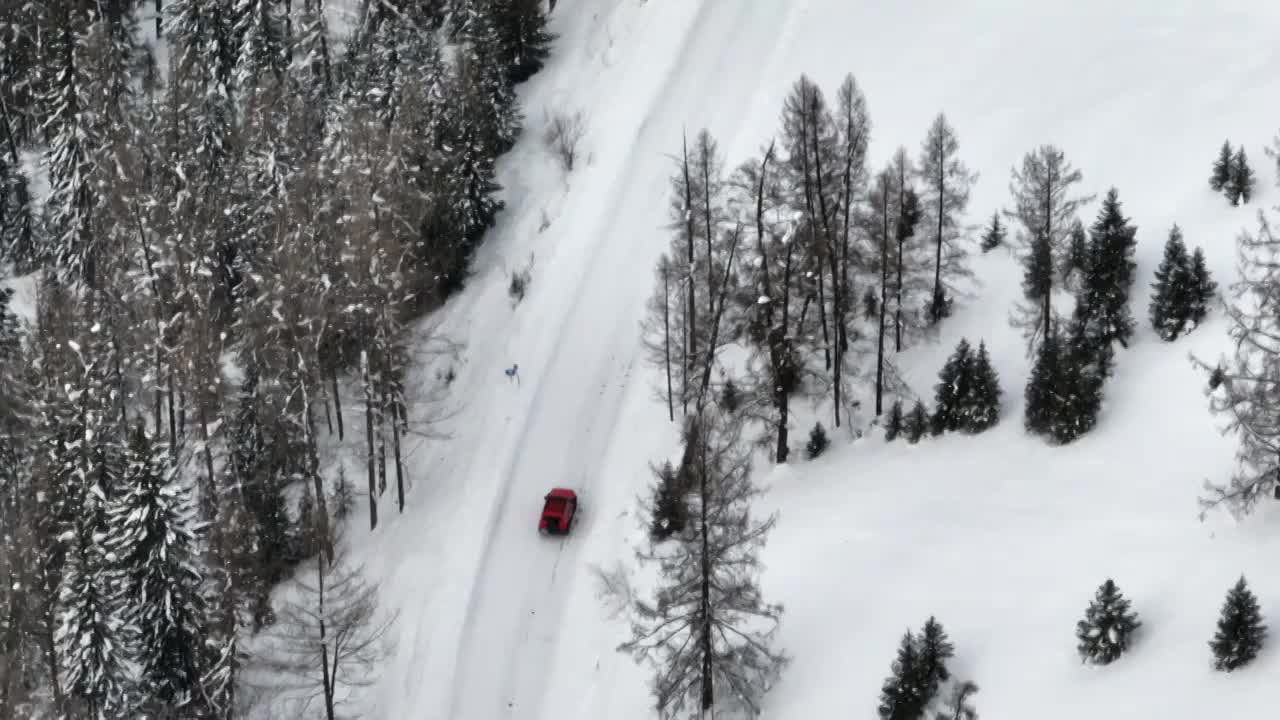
(1003, 538)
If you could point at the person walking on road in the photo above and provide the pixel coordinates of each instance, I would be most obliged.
(513, 373)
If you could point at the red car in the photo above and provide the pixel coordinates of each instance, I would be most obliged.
(558, 510)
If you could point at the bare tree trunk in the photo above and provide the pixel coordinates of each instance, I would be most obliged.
(395, 444)
(884, 300)
(715, 321)
(327, 665)
(666, 333)
(159, 15)
(337, 398)
(691, 330)
(313, 464)
(380, 422)
(368, 429)
(704, 634)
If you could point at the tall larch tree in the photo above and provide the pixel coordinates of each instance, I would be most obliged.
(946, 183)
(1044, 206)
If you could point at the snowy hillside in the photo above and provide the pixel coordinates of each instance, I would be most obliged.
(1001, 536)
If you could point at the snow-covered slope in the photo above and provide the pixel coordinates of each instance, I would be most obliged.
(1001, 537)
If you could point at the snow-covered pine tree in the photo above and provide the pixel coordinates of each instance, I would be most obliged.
(1103, 302)
(935, 650)
(1108, 626)
(1239, 187)
(994, 236)
(894, 424)
(955, 383)
(1221, 168)
(18, 237)
(18, 562)
(902, 697)
(523, 38)
(917, 423)
(946, 183)
(1241, 632)
(91, 635)
(1044, 206)
(1248, 387)
(154, 537)
(1172, 298)
(980, 408)
(259, 25)
(708, 633)
(1203, 288)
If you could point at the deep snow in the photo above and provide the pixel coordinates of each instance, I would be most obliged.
(1003, 538)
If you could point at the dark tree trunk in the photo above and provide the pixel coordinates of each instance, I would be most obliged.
(666, 335)
(704, 636)
(884, 300)
(337, 398)
(368, 430)
(691, 310)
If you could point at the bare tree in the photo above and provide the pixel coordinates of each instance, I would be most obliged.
(1044, 207)
(708, 634)
(1246, 387)
(947, 183)
(563, 134)
(330, 638)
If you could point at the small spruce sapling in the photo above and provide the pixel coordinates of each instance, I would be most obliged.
(1203, 288)
(1241, 631)
(980, 410)
(818, 441)
(1239, 187)
(894, 426)
(917, 423)
(994, 235)
(953, 389)
(1171, 301)
(1221, 168)
(1077, 258)
(1107, 627)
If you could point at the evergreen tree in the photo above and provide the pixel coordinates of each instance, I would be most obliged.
(1241, 631)
(955, 383)
(1239, 188)
(1076, 260)
(1047, 382)
(1108, 624)
(1037, 281)
(902, 696)
(1203, 288)
(994, 235)
(1109, 275)
(1221, 168)
(1085, 368)
(818, 441)
(1171, 303)
(980, 410)
(935, 650)
(917, 423)
(523, 38)
(154, 535)
(90, 635)
(893, 426)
